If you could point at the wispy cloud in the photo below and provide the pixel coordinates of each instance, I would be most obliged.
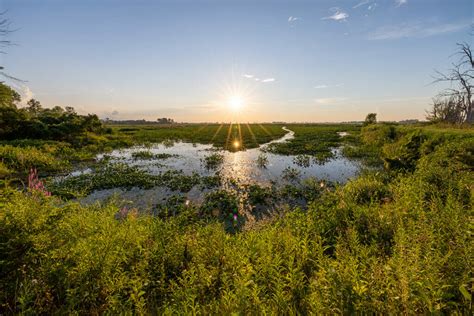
(415, 30)
(329, 101)
(325, 86)
(363, 2)
(338, 15)
(400, 2)
(252, 77)
(293, 19)
(369, 4)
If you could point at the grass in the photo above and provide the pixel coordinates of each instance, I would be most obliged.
(316, 140)
(219, 135)
(148, 155)
(395, 240)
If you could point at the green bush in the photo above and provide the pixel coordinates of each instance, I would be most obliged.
(365, 190)
(378, 134)
(22, 159)
(404, 153)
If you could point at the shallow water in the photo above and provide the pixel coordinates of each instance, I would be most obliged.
(241, 166)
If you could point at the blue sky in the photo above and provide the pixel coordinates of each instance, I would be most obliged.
(296, 60)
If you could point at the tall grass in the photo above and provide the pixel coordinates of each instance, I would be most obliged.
(391, 243)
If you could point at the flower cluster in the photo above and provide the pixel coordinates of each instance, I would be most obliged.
(35, 184)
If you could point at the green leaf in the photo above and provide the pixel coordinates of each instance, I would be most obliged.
(465, 292)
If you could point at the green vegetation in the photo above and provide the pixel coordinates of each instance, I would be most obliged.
(213, 160)
(219, 135)
(262, 160)
(395, 240)
(120, 175)
(145, 155)
(385, 243)
(316, 140)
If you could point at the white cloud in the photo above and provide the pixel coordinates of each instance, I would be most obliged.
(293, 19)
(414, 30)
(337, 16)
(25, 93)
(325, 86)
(329, 101)
(252, 77)
(400, 2)
(363, 2)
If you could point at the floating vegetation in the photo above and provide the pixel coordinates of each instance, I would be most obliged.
(143, 155)
(219, 203)
(259, 195)
(290, 174)
(213, 160)
(168, 143)
(120, 175)
(147, 155)
(262, 160)
(302, 161)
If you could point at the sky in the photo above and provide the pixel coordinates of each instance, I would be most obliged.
(248, 61)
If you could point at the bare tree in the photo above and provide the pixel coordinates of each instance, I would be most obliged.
(4, 42)
(446, 109)
(461, 78)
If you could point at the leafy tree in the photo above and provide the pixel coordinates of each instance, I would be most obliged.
(8, 96)
(36, 122)
(371, 118)
(34, 107)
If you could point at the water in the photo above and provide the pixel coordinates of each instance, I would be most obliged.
(241, 166)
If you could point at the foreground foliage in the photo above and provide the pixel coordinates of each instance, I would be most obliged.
(397, 241)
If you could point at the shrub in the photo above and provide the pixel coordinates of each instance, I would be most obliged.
(365, 190)
(404, 153)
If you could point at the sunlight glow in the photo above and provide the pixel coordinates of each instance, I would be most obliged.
(235, 103)
(236, 144)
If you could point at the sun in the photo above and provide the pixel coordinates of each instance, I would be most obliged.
(235, 103)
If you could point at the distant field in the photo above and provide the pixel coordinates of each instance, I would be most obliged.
(220, 135)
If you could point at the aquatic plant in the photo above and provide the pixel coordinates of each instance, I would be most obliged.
(302, 161)
(219, 203)
(143, 155)
(290, 174)
(213, 161)
(262, 160)
(147, 155)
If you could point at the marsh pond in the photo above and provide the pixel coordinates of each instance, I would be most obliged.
(160, 176)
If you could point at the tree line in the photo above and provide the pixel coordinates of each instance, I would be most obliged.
(36, 122)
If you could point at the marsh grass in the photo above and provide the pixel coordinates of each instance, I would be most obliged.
(393, 241)
(213, 160)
